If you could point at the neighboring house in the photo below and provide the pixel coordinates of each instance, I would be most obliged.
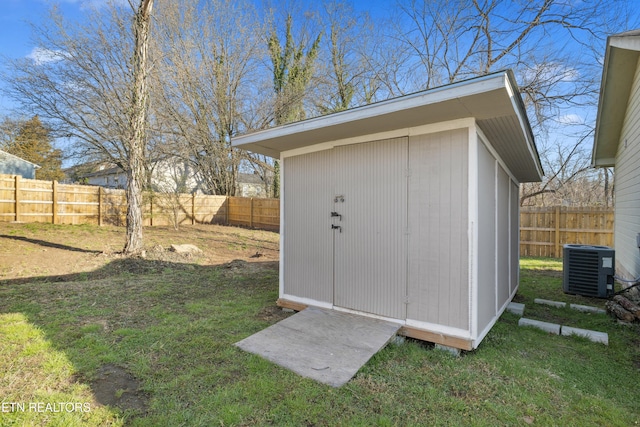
(617, 144)
(250, 185)
(107, 177)
(407, 209)
(169, 176)
(14, 165)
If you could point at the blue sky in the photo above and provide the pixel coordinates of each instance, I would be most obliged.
(15, 30)
(15, 15)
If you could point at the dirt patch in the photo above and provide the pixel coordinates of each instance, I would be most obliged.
(519, 298)
(273, 314)
(116, 387)
(64, 253)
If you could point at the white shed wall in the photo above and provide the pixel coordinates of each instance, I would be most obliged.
(503, 252)
(307, 239)
(370, 265)
(627, 187)
(409, 217)
(438, 280)
(498, 237)
(514, 221)
(486, 237)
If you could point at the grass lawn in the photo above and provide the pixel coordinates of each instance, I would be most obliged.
(158, 334)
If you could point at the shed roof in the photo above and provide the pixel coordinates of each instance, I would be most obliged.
(620, 61)
(494, 100)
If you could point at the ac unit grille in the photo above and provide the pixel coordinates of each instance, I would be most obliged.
(586, 273)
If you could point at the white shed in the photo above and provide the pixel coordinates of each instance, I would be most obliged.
(407, 209)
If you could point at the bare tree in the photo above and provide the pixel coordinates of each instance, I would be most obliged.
(88, 81)
(347, 65)
(210, 53)
(548, 43)
(136, 140)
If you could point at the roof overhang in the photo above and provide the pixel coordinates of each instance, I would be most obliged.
(620, 62)
(493, 100)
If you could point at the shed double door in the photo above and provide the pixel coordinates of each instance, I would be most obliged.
(370, 209)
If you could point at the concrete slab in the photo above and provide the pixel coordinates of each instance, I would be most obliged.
(594, 336)
(552, 328)
(549, 302)
(587, 309)
(516, 308)
(326, 345)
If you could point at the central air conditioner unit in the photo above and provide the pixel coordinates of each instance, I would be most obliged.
(588, 270)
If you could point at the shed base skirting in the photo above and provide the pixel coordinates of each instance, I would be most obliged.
(407, 331)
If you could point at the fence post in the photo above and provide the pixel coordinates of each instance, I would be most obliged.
(17, 197)
(54, 200)
(251, 212)
(226, 211)
(193, 208)
(100, 197)
(557, 235)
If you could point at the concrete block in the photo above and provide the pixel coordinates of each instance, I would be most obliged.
(451, 350)
(549, 302)
(587, 309)
(552, 328)
(399, 340)
(516, 308)
(594, 336)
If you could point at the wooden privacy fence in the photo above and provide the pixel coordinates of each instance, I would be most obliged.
(545, 230)
(29, 200)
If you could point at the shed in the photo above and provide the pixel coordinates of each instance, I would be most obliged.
(408, 209)
(617, 143)
(14, 165)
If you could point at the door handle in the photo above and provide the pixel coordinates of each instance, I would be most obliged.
(336, 214)
(336, 227)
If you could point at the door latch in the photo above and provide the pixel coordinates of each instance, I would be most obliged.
(336, 227)
(336, 214)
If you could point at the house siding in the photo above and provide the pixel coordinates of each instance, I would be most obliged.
(627, 187)
(11, 165)
(438, 279)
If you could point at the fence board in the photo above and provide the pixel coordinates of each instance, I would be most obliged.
(544, 231)
(45, 201)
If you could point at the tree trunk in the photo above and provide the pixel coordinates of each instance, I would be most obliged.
(137, 127)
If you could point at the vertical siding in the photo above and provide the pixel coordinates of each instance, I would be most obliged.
(370, 253)
(515, 236)
(627, 185)
(503, 242)
(438, 282)
(486, 237)
(308, 239)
